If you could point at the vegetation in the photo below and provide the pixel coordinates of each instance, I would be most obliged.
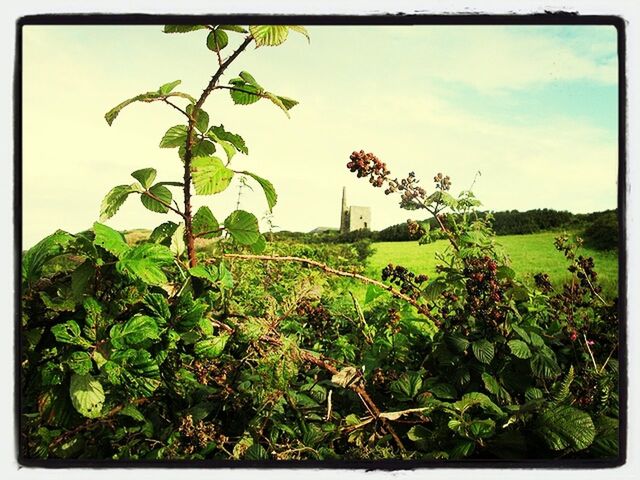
(258, 350)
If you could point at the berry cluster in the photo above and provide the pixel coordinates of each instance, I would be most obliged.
(368, 165)
(408, 281)
(413, 195)
(485, 293)
(543, 282)
(198, 435)
(317, 315)
(442, 182)
(415, 229)
(584, 269)
(394, 320)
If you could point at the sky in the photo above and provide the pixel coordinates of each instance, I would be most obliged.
(532, 108)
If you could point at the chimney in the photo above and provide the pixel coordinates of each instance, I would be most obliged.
(343, 211)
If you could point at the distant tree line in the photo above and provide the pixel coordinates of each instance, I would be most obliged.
(599, 229)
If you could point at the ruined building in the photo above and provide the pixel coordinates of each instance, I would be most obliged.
(353, 218)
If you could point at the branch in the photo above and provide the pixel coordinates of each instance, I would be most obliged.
(421, 307)
(176, 107)
(168, 205)
(89, 424)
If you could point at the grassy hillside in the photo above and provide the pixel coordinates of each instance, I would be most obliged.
(529, 254)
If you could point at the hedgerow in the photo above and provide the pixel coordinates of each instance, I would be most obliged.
(257, 350)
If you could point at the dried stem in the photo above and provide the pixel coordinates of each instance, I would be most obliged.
(421, 307)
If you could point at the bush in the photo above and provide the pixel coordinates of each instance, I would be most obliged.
(602, 234)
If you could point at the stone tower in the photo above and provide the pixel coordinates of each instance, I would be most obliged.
(353, 218)
(344, 213)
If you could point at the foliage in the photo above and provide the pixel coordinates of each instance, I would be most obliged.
(603, 233)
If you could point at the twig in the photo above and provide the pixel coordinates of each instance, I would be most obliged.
(89, 424)
(421, 307)
(176, 107)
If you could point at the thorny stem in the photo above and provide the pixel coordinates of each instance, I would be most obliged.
(421, 307)
(188, 230)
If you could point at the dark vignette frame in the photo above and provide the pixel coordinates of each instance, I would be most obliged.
(546, 18)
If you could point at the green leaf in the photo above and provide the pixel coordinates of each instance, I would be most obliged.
(135, 369)
(232, 28)
(206, 273)
(267, 188)
(269, 35)
(256, 452)
(300, 29)
(482, 428)
(145, 261)
(178, 246)
(80, 363)
(472, 399)
(520, 349)
(69, 332)
(243, 227)
(34, 259)
(285, 103)
(259, 246)
(87, 395)
(544, 366)
(407, 386)
(201, 118)
(168, 87)
(234, 139)
(483, 350)
(209, 175)
(520, 331)
(211, 347)
(490, 383)
(183, 28)
(110, 239)
(157, 198)
(163, 232)
(159, 306)
(134, 331)
(204, 224)
(217, 40)
(114, 200)
(566, 427)
(80, 279)
(200, 148)
(131, 411)
(175, 136)
(111, 115)
(145, 176)
(243, 93)
(561, 391)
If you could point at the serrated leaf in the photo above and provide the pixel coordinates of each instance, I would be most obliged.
(34, 259)
(109, 239)
(174, 137)
(285, 103)
(200, 148)
(259, 246)
(217, 40)
(268, 189)
(483, 350)
(114, 200)
(80, 363)
(87, 395)
(566, 427)
(145, 261)
(135, 369)
(219, 133)
(178, 246)
(407, 386)
(256, 452)
(243, 227)
(204, 224)
(520, 349)
(243, 93)
(69, 332)
(163, 232)
(130, 410)
(145, 176)
(490, 383)
(134, 331)
(300, 29)
(211, 347)
(168, 87)
(269, 35)
(183, 28)
(201, 119)
(209, 175)
(111, 115)
(520, 331)
(207, 273)
(157, 198)
(544, 366)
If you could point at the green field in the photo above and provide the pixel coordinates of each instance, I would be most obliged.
(529, 255)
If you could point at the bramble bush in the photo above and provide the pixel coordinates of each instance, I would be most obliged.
(258, 350)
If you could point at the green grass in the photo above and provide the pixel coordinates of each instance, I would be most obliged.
(529, 255)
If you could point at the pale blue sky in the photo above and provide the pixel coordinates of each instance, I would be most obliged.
(533, 108)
